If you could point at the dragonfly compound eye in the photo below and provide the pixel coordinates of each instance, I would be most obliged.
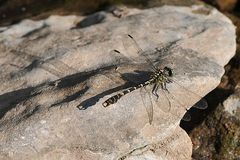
(168, 71)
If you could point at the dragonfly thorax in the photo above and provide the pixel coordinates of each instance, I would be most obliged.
(161, 75)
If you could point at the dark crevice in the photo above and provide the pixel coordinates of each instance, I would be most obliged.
(217, 96)
(213, 98)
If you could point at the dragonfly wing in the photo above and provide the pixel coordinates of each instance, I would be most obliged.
(186, 97)
(133, 50)
(120, 57)
(131, 46)
(168, 104)
(147, 102)
(167, 101)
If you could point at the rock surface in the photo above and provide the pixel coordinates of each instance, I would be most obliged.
(54, 81)
(232, 104)
(220, 131)
(217, 136)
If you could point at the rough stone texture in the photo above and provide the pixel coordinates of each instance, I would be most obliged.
(220, 132)
(232, 105)
(230, 127)
(54, 83)
(217, 136)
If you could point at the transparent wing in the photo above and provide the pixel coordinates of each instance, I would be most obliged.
(201, 103)
(166, 101)
(184, 97)
(147, 102)
(131, 46)
(133, 49)
(168, 104)
(176, 100)
(120, 57)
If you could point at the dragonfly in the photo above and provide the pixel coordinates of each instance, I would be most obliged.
(159, 79)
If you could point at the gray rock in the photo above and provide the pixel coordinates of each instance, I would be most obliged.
(232, 104)
(20, 30)
(62, 23)
(54, 84)
(218, 136)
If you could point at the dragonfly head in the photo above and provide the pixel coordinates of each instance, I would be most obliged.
(168, 71)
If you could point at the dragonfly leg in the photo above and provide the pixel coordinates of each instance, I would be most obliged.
(154, 90)
(164, 86)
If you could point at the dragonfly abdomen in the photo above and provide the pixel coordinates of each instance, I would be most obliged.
(116, 97)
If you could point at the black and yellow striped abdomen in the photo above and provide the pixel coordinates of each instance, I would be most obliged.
(116, 97)
(159, 77)
(156, 78)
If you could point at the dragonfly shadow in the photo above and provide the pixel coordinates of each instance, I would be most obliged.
(72, 97)
(34, 64)
(75, 79)
(11, 99)
(137, 77)
(131, 79)
(93, 100)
